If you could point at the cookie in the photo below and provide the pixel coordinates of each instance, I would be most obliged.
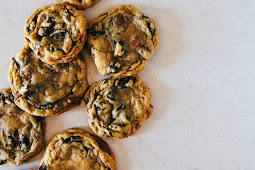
(56, 33)
(117, 107)
(21, 134)
(122, 40)
(80, 4)
(76, 149)
(46, 90)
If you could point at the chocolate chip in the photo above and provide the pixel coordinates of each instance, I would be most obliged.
(73, 43)
(114, 68)
(94, 33)
(110, 134)
(110, 96)
(48, 30)
(72, 139)
(128, 118)
(121, 43)
(45, 106)
(87, 100)
(123, 81)
(3, 162)
(43, 167)
(97, 108)
(34, 25)
(11, 141)
(151, 29)
(58, 35)
(120, 19)
(16, 62)
(67, 14)
(114, 42)
(25, 140)
(121, 107)
(143, 16)
(95, 95)
(29, 94)
(4, 98)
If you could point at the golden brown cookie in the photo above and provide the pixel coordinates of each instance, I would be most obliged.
(46, 90)
(75, 149)
(117, 107)
(81, 4)
(21, 134)
(122, 40)
(56, 33)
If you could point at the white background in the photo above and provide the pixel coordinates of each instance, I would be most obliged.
(202, 79)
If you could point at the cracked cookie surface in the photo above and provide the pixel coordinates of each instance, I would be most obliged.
(81, 4)
(122, 40)
(21, 134)
(117, 107)
(46, 90)
(56, 33)
(76, 149)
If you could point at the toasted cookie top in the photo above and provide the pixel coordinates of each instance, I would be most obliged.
(42, 89)
(81, 4)
(21, 134)
(56, 33)
(76, 149)
(117, 107)
(122, 40)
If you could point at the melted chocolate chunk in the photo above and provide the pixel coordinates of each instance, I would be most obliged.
(121, 43)
(35, 22)
(94, 33)
(151, 30)
(72, 139)
(121, 107)
(4, 98)
(114, 43)
(25, 139)
(58, 35)
(87, 100)
(16, 62)
(143, 16)
(43, 167)
(110, 96)
(123, 81)
(114, 68)
(110, 134)
(29, 94)
(97, 108)
(50, 29)
(11, 141)
(95, 95)
(46, 106)
(2, 162)
(67, 14)
(128, 118)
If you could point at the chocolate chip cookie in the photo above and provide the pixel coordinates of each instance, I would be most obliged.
(46, 90)
(21, 134)
(56, 33)
(81, 4)
(117, 107)
(76, 149)
(122, 40)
